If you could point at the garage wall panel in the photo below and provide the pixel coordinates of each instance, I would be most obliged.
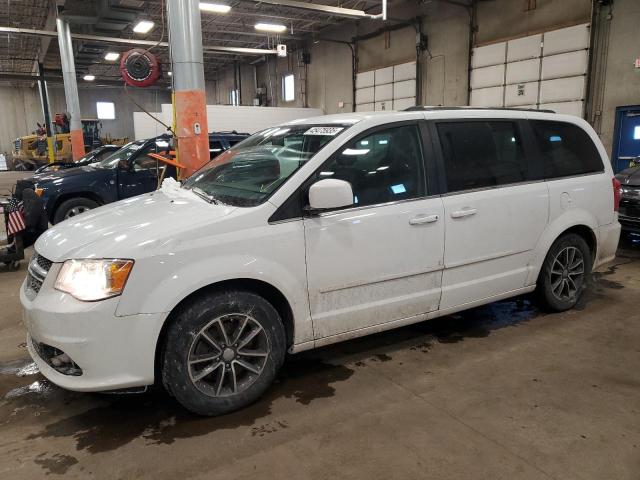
(365, 95)
(524, 48)
(487, 97)
(523, 71)
(405, 89)
(566, 39)
(489, 55)
(365, 107)
(520, 94)
(365, 79)
(402, 103)
(487, 76)
(384, 75)
(382, 106)
(567, 108)
(562, 90)
(565, 65)
(404, 71)
(383, 92)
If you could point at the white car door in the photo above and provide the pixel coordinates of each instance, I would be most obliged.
(380, 260)
(495, 211)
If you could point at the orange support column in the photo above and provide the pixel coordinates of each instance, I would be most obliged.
(77, 144)
(191, 130)
(190, 103)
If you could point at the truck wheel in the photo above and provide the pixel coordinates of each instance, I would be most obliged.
(72, 207)
(564, 273)
(222, 351)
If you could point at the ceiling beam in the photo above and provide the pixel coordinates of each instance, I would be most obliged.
(134, 42)
(49, 24)
(328, 9)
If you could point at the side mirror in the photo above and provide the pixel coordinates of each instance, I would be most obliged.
(329, 194)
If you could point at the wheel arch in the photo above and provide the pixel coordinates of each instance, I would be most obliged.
(264, 289)
(68, 196)
(583, 229)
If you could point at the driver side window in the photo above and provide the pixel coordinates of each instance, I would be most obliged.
(382, 167)
(145, 162)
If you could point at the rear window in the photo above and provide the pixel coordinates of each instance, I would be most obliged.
(566, 149)
(480, 154)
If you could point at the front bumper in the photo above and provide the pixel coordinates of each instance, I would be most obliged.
(112, 352)
(629, 224)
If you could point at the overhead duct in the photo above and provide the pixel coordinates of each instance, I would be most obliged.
(108, 16)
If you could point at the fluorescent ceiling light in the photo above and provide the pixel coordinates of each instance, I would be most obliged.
(89, 78)
(112, 56)
(169, 73)
(143, 26)
(270, 27)
(214, 7)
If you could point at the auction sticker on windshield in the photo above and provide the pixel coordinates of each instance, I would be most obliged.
(325, 131)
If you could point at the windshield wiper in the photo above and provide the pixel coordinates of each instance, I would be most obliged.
(202, 194)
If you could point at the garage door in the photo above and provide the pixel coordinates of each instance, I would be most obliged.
(389, 88)
(545, 71)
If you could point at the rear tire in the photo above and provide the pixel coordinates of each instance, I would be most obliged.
(222, 351)
(72, 207)
(564, 274)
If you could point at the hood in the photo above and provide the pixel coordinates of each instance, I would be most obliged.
(134, 228)
(46, 177)
(630, 176)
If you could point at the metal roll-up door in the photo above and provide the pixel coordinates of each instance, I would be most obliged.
(546, 71)
(388, 88)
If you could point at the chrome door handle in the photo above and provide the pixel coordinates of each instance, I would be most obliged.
(465, 212)
(422, 219)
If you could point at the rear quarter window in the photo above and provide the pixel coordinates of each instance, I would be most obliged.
(565, 149)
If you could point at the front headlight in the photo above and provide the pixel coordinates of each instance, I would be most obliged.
(91, 280)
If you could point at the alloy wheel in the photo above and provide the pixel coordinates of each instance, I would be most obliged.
(228, 355)
(76, 211)
(567, 273)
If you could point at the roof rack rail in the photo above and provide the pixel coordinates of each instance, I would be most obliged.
(420, 108)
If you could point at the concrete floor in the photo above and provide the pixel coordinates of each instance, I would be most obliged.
(500, 392)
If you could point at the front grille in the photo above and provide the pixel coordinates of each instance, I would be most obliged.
(18, 145)
(630, 208)
(44, 263)
(37, 271)
(630, 193)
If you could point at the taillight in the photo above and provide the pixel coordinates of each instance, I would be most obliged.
(617, 187)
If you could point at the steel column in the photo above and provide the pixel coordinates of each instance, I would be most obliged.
(190, 103)
(44, 100)
(70, 88)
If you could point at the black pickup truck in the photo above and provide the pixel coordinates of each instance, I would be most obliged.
(629, 212)
(125, 173)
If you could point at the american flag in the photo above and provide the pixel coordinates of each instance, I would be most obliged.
(15, 217)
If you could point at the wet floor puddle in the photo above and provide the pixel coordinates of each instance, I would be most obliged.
(106, 423)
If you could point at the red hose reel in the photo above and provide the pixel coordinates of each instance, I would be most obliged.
(139, 68)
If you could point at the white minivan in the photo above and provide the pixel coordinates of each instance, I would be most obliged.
(313, 232)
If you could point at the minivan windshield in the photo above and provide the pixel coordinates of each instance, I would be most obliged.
(247, 174)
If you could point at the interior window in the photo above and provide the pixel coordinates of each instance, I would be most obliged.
(566, 149)
(482, 154)
(382, 167)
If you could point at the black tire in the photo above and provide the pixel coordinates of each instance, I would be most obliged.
(210, 395)
(67, 208)
(555, 296)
